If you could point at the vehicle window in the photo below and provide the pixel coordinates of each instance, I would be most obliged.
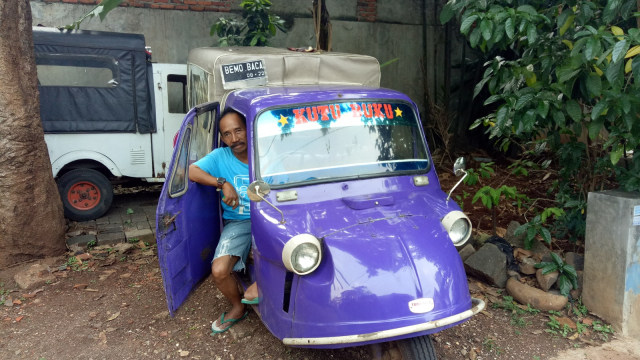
(77, 70)
(178, 183)
(197, 86)
(201, 142)
(176, 92)
(327, 141)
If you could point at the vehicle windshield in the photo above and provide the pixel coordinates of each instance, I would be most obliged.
(329, 141)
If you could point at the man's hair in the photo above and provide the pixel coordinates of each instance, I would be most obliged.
(232, 111)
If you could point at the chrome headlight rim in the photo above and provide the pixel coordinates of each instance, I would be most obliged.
(293, 244)
(450, 220)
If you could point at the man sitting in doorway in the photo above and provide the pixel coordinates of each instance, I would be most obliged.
(227, 169)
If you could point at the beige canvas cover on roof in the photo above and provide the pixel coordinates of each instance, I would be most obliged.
(286, 67)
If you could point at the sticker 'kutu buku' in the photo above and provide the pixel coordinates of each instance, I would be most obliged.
(333, 112)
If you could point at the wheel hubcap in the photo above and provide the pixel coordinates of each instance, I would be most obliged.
(83, 195)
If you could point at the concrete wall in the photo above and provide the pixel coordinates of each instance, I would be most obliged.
(397, 32)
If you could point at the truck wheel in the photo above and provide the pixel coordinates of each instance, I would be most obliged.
(417, 348)
(86, 194)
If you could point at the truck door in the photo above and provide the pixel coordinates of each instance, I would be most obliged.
(188, 214)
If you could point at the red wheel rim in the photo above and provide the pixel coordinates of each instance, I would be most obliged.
(83, 195)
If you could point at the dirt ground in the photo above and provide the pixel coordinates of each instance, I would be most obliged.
(106, 309)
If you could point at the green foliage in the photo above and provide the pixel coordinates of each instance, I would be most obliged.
(255, 28)
(101, 10)
(490, 197)
(522, 167)
(129, 211)
(564, 72)
(555, 328)
(516, 311)
(473, 176)
(602, 329)
(536, 227)
(567, 276)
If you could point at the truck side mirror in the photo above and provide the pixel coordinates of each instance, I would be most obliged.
(459, 166)
(459, 170)
(257, 190)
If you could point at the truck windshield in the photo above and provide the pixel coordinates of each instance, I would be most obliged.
(329, 141)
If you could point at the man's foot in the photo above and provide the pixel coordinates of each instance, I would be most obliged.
(251, 295)
(221, 325)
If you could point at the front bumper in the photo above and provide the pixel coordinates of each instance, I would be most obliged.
(478, 305)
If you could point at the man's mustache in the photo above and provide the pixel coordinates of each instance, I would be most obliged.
(235, 145)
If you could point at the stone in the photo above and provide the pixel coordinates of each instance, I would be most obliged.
(34, 276)
(123, 248)
(575, 260)
(466, 251)
(488, 264)
(514, 274)
(510, 236)
(546, 281)
(81, 240)
(110, 238)
(527, 266)
(141, 235)
(537, 298)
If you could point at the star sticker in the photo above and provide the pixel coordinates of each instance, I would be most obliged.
(398, 112)
(283, 120)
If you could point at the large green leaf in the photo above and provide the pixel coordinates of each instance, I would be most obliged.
(592, 48)
(615, 72)
(447, 13)
(523, 101)
(486, 27)
(574, 110)
(509, 28)
(619, 50)
(532, 33)
(528, 9)
(501, 116)
(467, 23)
(610, 10)
(635, 70)
(598, 109)
(616, 155)
(474, 38)
(594, 85)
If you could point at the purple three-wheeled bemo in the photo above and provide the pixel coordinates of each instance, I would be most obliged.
(354, 241)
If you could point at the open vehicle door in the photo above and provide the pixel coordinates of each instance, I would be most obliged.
(186, 244)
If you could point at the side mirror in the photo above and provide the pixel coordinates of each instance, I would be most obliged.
(257, 190)
(459, 170)
(459, 166)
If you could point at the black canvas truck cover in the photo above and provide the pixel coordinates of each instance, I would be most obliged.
(93, 81)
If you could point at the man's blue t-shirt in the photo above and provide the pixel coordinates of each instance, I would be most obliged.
(222, 163)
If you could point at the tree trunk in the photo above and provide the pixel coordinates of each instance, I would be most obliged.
(32, 222)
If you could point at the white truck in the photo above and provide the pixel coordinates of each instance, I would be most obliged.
(109, 114)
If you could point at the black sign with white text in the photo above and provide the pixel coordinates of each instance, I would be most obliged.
(250, 70)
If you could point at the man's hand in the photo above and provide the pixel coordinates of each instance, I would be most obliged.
(230, 196)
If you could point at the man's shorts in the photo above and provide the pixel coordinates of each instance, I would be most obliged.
(235, 240)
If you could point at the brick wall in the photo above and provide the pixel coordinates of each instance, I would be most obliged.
(367, 10)
(193, 5)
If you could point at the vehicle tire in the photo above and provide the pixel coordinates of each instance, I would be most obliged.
(417, 348)
(86, 194)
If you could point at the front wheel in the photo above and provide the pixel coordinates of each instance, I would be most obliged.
(86, 194)
(417, 348)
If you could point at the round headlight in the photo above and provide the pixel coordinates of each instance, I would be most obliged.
(458, 226)
(302, 254)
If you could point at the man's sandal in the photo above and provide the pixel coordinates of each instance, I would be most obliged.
(217, 329)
